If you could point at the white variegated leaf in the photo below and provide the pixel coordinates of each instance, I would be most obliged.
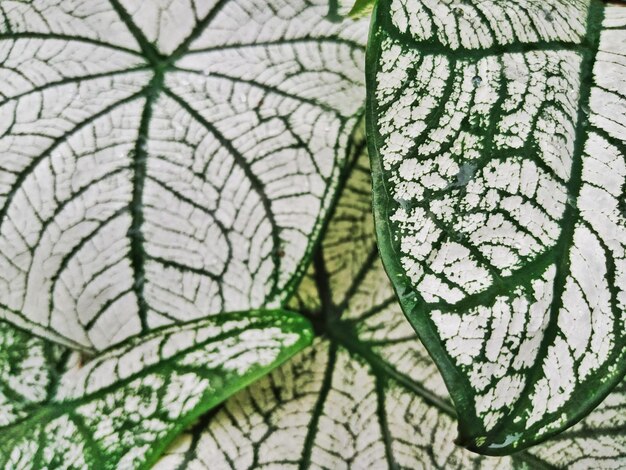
(365, 396)
(121, 409)
(497, 131)
(162, 161)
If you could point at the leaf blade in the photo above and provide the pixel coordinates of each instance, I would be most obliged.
(117, 193)
(419, 219)
(118, 412)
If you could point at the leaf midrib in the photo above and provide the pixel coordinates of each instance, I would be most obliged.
(140, 168)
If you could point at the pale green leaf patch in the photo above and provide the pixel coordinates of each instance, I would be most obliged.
(497, 137)
(362, 8)
(121, 409)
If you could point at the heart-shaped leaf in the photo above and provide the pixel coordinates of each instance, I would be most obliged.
(496, 131)
(161, 161)
(123, 408)
(366, 395)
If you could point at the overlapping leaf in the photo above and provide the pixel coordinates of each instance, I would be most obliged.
(497, 135)
(366, 395)
(161, 161)
(597, 442)
(121, 409)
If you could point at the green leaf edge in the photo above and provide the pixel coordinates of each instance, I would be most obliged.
(291, 322)
(423, 326)
(296, 323)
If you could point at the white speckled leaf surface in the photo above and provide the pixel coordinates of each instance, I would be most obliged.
(366, 395)
(162, 161)
(497, 133)
(120, 410)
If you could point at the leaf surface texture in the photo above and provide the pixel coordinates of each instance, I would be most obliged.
(496, 132)
(162, 161)
(122, 408)
(366, 394)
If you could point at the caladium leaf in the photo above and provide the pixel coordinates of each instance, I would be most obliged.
(598, 442)
(496, 132)
(365, 395)
(161, 161)
(122, 408)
